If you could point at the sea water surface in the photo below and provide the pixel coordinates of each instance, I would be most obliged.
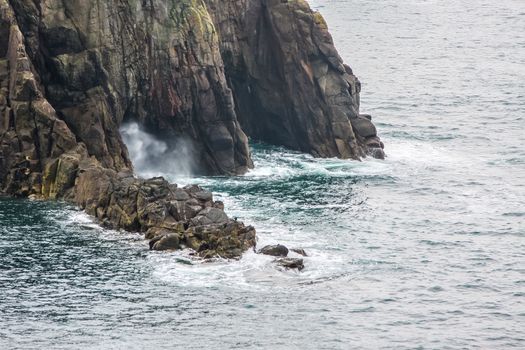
(425, 250)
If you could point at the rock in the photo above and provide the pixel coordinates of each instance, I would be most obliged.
(169, 241)
(373, 142)
(210, 216)
(147, 206)
(218, 205)
(290, 263)
(72, 71)
(377, 153)
(274, 250)
(364, 127)
(204, 196)
(299, 251)
(289, 83)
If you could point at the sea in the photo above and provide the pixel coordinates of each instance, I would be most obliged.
(422, 250)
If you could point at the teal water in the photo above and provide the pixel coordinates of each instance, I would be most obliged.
(425, 250)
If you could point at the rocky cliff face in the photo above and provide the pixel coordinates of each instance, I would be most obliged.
(290, 85)
(208, 72)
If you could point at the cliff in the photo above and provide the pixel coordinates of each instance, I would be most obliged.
(207, 71)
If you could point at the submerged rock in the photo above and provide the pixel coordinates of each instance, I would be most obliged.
(290, 263)
(299, 251)
(274, 250)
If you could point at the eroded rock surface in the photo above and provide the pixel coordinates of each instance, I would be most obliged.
(170, 216)
(290, 85)
(208, 72)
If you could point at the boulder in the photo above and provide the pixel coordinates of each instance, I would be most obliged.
(364, 127)
(274, 250)
(290, 263)
(170, 241)
(210, 216)
(299, 251)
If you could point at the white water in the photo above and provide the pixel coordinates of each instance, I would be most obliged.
(152, 157)
(424, 250)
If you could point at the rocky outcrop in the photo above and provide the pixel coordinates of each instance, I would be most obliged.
(274, 250)
(100, 63)
(208, 72)
(290, 263)
(171, 217)
(290, 86)
(61, 106)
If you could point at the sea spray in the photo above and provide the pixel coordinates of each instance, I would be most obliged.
(153, 157)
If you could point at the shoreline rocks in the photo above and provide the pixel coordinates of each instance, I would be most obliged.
(274, 250)
(281, 252)
(290, 263)
(208, 72)
(170, 216)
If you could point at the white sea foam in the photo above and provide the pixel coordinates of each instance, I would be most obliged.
(153, 157)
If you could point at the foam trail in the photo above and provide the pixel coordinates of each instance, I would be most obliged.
(152, 157)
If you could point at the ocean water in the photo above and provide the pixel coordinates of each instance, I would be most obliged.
(424, 250)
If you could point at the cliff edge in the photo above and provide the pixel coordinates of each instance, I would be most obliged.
(207, 71)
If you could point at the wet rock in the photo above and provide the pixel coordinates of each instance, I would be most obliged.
(218, 205)
(210, 216)
(364, 127)
(290, 263)
(170, 241)
(274, 250)
(377, 153)
(373, 142)
(68, 79)
(148, 206)
(299, 251)
(290, 85)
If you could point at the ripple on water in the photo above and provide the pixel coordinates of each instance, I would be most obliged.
(422, 250)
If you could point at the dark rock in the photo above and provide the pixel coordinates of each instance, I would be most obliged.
(377, 153)
(290, 263)
(364, 127)
(274, 250)
(169, 241)
(210, 216)
(218, 205)
(211, 70)
(373, 142)
(290, 85)
(299, 251)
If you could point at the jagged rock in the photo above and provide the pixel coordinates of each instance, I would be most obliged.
(122, 201)
(71, 72)
(210, 216)
(274, 250)
(290, 263)
(299, 251)
(290, 85)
